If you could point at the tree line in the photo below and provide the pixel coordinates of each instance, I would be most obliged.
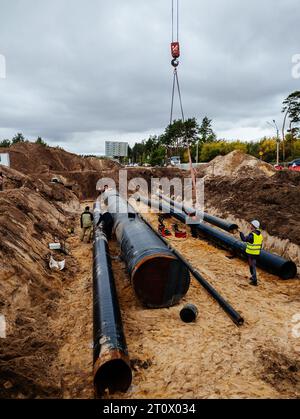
(19, 138)
(205, 145)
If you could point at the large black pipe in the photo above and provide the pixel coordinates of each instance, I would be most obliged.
(216, 221)
(111, 360)
(232, 313)
(270, 262)
(158, 277)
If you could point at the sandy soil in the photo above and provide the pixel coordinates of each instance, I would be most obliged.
(73, 326)
(32, 215)
(48, 352)
(213, 358)
(273, 200)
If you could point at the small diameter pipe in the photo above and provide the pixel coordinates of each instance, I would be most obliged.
(232, 313)
(216, 221)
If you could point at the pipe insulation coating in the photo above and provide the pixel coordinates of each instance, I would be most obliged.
(111, 361)
(211, 219)
(270, 262)
(158, 277)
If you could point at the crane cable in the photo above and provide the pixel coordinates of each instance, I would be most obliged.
(175, 51)
(173, 20)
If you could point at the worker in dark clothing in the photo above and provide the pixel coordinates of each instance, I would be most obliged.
(103, 190)
(254, 246)
(86, 221)
(192, 217)
(108, 223)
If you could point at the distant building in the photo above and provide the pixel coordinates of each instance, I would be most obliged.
(4, 159)
(116, 149)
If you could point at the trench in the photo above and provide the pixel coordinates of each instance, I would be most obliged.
(211, 358)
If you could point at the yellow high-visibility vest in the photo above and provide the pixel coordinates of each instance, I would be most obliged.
(255, 248)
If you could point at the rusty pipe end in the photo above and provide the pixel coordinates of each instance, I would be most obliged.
(112, 372)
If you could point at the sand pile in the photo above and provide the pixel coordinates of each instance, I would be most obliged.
(31, 215)
(87, 181)
(236, 164)
(79, 174)
(31, 158)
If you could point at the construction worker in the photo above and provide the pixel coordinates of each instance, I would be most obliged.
(86, 221)
(108, 223)
(254, 246)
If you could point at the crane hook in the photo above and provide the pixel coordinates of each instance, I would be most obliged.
(175, 63)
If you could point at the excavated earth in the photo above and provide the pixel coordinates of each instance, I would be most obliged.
(32, 215)
(275, 201)
(47, 348)
(213, 358)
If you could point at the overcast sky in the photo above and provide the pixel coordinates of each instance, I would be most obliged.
(82, 72)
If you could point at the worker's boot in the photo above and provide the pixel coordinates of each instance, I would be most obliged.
(253, 282)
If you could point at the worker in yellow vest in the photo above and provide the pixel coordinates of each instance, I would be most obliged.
(254, 246)
(86, 221)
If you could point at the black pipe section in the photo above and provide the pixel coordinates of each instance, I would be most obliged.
(158, 277)
(216, 221)
(111, 360)
(232, 313)
(270, 262)
(189, 313)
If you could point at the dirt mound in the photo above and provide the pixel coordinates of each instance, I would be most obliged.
(31, 158)
(31, 215)
(86, 181)
(273, 200)
(281, 371)
(79, 174)
(236, 164)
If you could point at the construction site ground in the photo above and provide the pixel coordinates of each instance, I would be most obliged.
(48, 348)
(212, 358)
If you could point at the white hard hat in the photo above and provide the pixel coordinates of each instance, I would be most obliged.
(256, 224)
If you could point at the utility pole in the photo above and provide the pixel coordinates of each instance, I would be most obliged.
(278, 142)
(197, 157)
(278, 139)
(283, 132)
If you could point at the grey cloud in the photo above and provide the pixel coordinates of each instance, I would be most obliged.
(80, 72)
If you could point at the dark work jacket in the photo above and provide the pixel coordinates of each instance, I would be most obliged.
(108, 222)
(86, 212)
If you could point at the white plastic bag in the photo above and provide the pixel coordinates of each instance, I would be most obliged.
(59, 266)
